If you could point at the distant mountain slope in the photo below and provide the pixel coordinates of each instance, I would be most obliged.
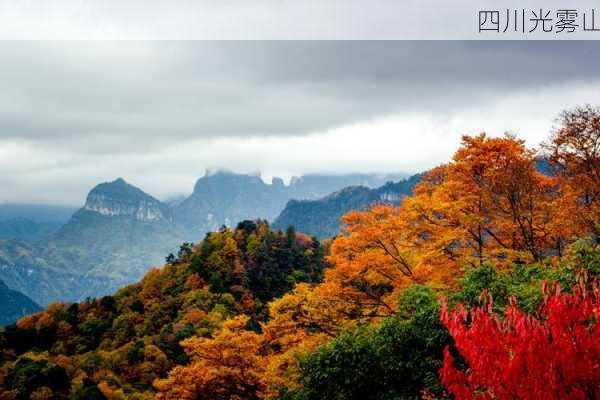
(14, 305)
(20, 228)
(37, 212)
(322, 217)
(315, 186)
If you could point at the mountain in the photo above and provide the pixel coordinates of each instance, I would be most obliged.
(21, 228)
(544, 166)
(118, 198)
(111, 241)
(14, 305)
(25, 267)
(222, 198)
(322, 217)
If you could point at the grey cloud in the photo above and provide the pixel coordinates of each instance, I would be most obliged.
(82, 112)
(102, 96)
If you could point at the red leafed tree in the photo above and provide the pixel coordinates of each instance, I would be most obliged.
(555, 355)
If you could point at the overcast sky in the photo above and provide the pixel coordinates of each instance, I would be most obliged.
(73, 114)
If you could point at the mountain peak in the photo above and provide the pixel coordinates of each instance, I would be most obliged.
(119, 198)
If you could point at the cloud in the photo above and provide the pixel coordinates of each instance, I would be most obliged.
(158, 113)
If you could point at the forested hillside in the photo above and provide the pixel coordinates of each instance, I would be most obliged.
(132, 338)
(30, 222)
(481, 284)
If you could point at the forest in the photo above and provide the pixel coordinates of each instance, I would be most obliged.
(482, 284)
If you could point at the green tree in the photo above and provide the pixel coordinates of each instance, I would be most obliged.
(399, 359)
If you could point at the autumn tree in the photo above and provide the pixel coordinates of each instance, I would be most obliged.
(371, 262)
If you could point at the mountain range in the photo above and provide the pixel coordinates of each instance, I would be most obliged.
(121, 231)
(224, 198)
